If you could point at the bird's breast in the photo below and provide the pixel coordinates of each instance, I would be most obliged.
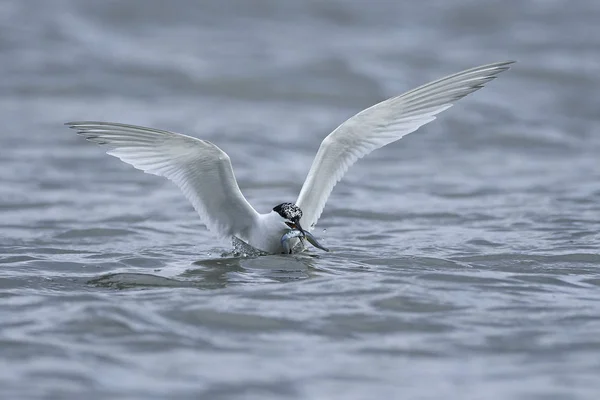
(267, 232)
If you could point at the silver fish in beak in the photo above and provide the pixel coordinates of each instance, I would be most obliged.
(313, 240)
(294, 233)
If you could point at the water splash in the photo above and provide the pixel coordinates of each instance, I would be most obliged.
(243, 249)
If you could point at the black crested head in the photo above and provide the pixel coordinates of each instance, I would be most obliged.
(289, 211)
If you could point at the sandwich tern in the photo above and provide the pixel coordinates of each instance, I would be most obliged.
(205, 175)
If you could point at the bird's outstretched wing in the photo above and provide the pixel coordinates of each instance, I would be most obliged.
(201, 170)
(379, 125)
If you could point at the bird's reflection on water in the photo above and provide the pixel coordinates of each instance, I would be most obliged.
(215, 273)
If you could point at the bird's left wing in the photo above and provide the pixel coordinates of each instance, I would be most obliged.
(201, 170)
(382, 124)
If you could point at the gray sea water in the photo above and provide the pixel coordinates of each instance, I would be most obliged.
(465, 259)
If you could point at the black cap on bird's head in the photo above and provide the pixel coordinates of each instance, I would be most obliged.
(291, 213)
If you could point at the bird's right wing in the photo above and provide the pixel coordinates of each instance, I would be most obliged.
(201, 170)
(379, 125)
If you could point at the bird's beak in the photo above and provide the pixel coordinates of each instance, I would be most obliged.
(299, 227)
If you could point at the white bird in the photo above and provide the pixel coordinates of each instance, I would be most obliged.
(205, 175)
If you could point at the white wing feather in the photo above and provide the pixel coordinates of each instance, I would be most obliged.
(380, 125)
(201, 170)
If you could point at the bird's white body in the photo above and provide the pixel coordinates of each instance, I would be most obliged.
(205, 175)
(266, 233)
